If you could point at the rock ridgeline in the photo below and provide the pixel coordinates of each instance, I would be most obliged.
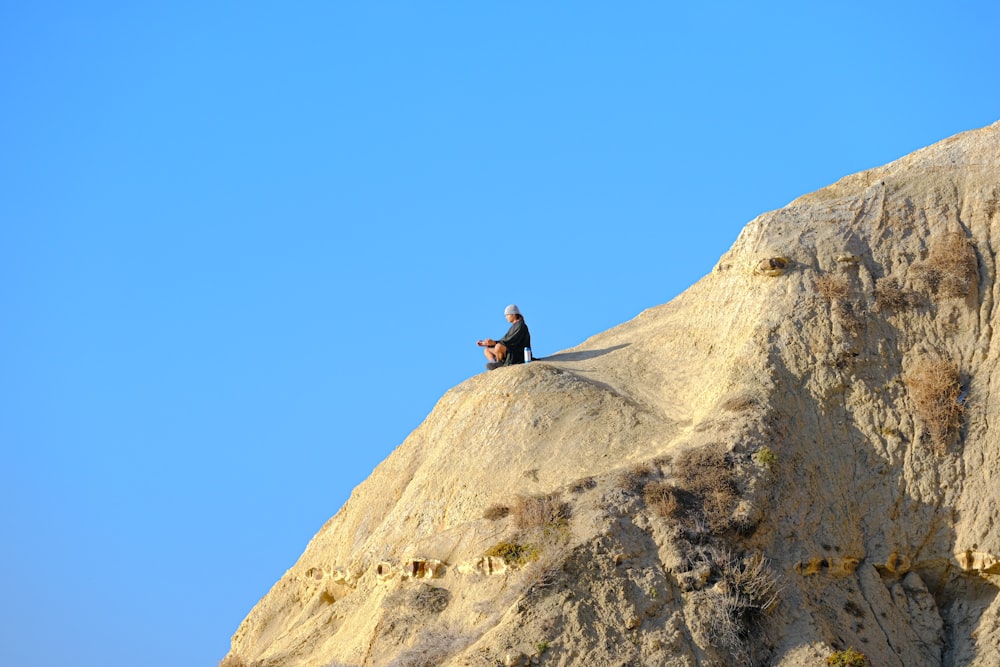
(790, 461)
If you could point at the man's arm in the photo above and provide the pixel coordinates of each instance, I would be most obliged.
(512, 333)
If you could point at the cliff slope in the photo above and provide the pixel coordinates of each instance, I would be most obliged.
(793, 457)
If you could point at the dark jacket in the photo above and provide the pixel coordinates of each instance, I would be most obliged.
(516, 339)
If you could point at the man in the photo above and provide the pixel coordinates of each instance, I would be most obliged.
(508, 350)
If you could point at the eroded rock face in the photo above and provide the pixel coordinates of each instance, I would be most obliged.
(794, 456)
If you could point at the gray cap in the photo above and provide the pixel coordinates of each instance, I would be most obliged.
(511, 310)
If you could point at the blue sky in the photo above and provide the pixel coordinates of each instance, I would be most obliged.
(247, 246)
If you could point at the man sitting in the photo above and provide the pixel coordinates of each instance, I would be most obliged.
(508, 350)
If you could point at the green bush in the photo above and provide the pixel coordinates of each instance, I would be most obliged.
(848, 658)
(513, 553)
(765, 456)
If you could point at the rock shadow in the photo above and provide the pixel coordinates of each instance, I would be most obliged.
(583, 355)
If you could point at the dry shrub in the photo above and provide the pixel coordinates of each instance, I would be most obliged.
(832, 286)
(847, 315)
(633, 478)
(889, 296)
(706, 474)
(496, 512)
(934, 385)
(431, 649)
(662, 461)
(545, 569)
(666, 499)
(538, 511)
(951, 267)
(744, 590)
(750, 581)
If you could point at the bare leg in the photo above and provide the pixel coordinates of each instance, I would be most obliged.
(496, 353)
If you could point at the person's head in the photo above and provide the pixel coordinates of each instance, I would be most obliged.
(512, 313)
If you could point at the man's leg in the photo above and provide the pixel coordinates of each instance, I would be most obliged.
(496, 353)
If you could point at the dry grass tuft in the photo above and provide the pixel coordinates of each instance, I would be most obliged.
(662, 461)
(707, 475)
(934, 385)
(583, 484)
(832, 286)
(745, 589)
(496, 512)
(740, 403)
(890, 297)
(849, 317)
(667, 500)
(539, 511)
(951, 268)
(634, 478)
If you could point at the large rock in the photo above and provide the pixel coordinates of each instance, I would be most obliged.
(793, 457)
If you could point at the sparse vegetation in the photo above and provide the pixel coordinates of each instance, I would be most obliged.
(545, 569)
(739, 403)
(706, 476)
(664, 498)
(848, 658)
(832, 286)
(749, 580)
(538, 511)
(704, 496)
(514, 554)
(890, 297)
(431, 650)
(765, 457)
(745, 589)
(951, 267)
(848, 315)
(634, 478)
(496, 512)
(933, 384)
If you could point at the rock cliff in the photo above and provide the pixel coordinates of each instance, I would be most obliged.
(792, 458)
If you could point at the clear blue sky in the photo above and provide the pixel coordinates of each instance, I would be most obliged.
(247, 246)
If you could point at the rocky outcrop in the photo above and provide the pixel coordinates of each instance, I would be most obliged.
(793, 457)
